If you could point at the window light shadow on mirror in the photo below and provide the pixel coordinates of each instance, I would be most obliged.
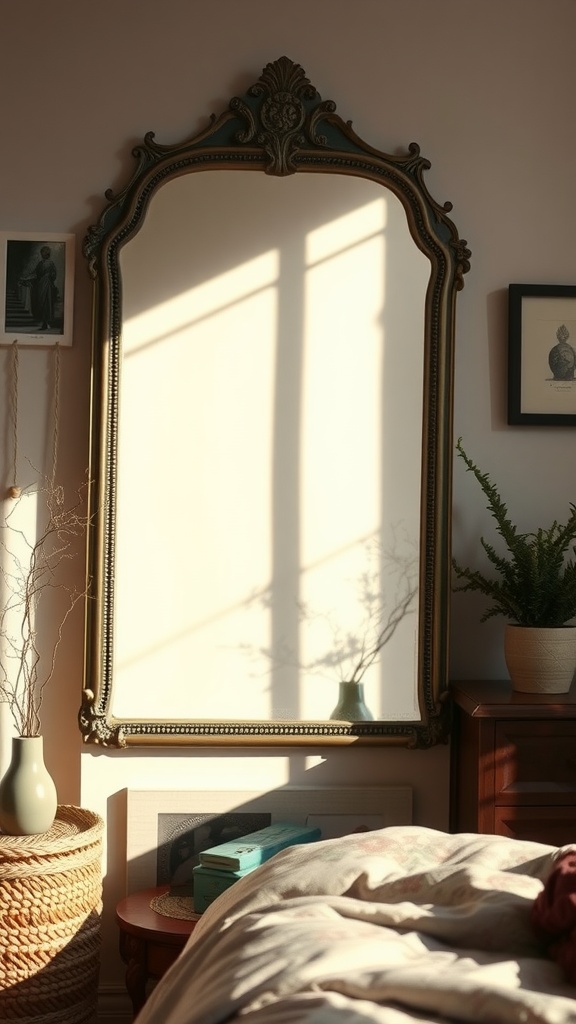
(271, 455)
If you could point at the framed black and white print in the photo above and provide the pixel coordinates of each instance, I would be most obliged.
(165, 829)
(36, 298)
(542, 354)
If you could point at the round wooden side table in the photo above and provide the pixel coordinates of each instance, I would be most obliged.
(149, 942)
(50, 920)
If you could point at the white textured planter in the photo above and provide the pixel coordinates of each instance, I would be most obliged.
(540, 659)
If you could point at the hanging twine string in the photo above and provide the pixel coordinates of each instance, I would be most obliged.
(14, 491)
(56, 412)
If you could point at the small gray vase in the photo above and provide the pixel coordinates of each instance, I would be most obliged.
(351, 706)
(28, 800)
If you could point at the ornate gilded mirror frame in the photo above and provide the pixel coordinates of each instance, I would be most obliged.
(281, 126)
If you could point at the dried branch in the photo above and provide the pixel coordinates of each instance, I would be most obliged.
(353, 652)
(30, 571)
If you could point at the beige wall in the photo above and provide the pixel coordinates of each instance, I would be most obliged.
(485, 89)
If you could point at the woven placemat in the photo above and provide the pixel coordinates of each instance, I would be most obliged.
(180, 907)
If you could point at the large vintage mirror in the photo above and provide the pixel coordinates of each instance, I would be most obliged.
(272, 434)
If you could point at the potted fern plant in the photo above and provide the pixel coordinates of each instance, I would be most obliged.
(534, 588)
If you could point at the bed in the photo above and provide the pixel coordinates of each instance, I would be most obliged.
(386, 927)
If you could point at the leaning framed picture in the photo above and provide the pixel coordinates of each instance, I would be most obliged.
(542, 354)
(167, 829)
(36, 297)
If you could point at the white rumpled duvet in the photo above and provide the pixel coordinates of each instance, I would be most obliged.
(397, 925)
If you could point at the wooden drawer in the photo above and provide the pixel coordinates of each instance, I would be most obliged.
(535, 762)
(553, 825)
(513, 762)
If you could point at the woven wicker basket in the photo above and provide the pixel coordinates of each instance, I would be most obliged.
(50, 913)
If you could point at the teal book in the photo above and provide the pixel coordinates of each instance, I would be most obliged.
(255, 848)
(210, 882)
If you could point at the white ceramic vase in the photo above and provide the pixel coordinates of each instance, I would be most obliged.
(351, 706)
(540, 659)
(28, 799)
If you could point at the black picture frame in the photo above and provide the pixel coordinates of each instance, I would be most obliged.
(23, 316)
(542, 354)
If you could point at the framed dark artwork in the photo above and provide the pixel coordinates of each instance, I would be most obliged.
(542, 354)
(37, 288)
(182, 837)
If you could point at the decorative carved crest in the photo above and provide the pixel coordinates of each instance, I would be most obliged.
(286, 116)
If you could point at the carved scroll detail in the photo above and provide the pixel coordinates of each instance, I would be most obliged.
(283, 122)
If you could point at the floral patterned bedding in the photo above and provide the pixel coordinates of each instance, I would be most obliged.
(387, 927)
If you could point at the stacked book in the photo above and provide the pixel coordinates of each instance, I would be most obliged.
(221, 866)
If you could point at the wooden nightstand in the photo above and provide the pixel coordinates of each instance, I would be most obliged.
(513, 763)
(149, 942)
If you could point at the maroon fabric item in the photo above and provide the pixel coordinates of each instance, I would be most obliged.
(554, 914)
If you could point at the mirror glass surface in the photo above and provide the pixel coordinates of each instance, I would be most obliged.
(271, 424)
(269, 448)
